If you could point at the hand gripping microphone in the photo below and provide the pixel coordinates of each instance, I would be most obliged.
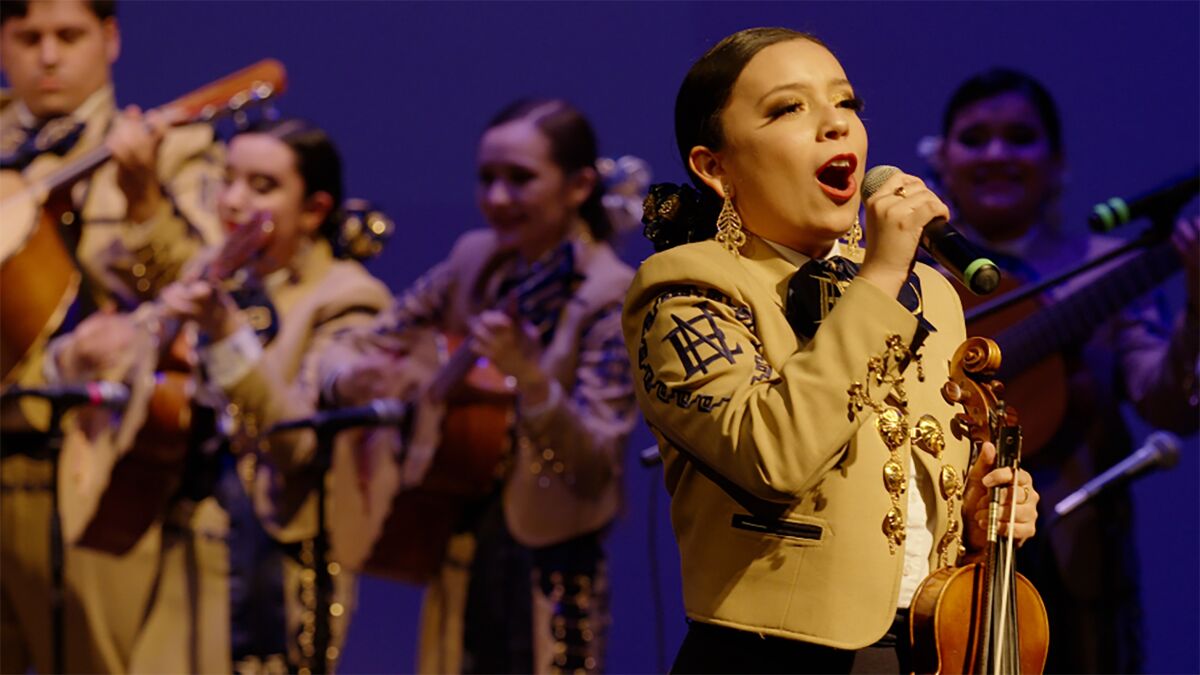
(962, 258)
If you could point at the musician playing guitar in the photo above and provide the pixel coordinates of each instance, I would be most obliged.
(130, 226)
(1001, 166)
(523, 587)
(257, 348)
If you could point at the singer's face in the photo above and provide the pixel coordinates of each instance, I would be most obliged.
(998, 166)
(795, 148)
(57, 55)
(262, 181)
(523, 193)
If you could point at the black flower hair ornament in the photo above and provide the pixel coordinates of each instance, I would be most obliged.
(363, 232)
(678, 214)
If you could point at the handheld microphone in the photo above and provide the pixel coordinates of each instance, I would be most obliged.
(964, 259)
(380, 412)
(1163, 200)
(1161, 451)
(99, 393)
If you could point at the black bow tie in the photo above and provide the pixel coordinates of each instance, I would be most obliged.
(20, 146)
(815, 288)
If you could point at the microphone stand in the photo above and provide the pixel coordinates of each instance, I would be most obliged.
(49, 452)
(316, 557)
(57, 550)
(322, 637)
(1154, 234)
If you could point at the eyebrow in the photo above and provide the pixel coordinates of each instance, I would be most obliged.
(800, 85)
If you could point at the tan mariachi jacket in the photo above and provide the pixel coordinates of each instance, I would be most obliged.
(792, 538)
(322, 296)
(123, 261)
(133, 261)
(565, 480)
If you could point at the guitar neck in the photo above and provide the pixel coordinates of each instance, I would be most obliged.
(1073, 319)
(81, 167)
(455, 370)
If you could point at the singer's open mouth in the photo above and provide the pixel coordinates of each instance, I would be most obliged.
(836, 177)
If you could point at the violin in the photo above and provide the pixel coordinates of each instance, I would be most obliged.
(982, 617)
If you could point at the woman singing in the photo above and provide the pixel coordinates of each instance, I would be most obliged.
(523, 587)
(782, 369)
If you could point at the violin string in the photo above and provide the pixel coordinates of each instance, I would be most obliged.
(1006, 578)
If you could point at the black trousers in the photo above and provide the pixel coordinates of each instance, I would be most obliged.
(715, 649)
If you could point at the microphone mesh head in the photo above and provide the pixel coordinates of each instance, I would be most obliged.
(1166, 448)
(877, 176)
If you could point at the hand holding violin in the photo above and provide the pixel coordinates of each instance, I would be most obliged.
(982, 477)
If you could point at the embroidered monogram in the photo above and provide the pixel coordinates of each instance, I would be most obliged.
(699, 342)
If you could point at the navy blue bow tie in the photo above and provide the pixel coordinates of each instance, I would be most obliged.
(816, 287)
(22, 145)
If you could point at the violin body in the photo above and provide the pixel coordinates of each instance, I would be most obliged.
(982, 617)
(381, 526)
(946, 613)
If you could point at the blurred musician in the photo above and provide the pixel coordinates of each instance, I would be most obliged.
(523, 587)
(129, 227)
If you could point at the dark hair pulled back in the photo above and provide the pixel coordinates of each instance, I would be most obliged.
(320, 167)
(573, 147)
(679, 214)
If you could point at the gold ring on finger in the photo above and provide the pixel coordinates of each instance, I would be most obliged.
(899, 192)
(1025, 494)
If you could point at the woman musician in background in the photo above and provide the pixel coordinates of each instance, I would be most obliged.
(523, 587)
(257, 350)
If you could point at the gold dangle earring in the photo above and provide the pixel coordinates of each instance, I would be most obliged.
(729, 225)
(854, 235)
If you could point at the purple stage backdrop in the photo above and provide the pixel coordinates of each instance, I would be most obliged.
(406, 88)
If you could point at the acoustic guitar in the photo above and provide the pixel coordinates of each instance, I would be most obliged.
(38, 276)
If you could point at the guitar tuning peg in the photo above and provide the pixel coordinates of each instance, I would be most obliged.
(238, 100)
(263, 90)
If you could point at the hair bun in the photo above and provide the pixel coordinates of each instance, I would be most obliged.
(677, 214)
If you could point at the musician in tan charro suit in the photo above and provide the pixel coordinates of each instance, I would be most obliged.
(792, 380)
(523, 585)
(132, 225)
(256, 601)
